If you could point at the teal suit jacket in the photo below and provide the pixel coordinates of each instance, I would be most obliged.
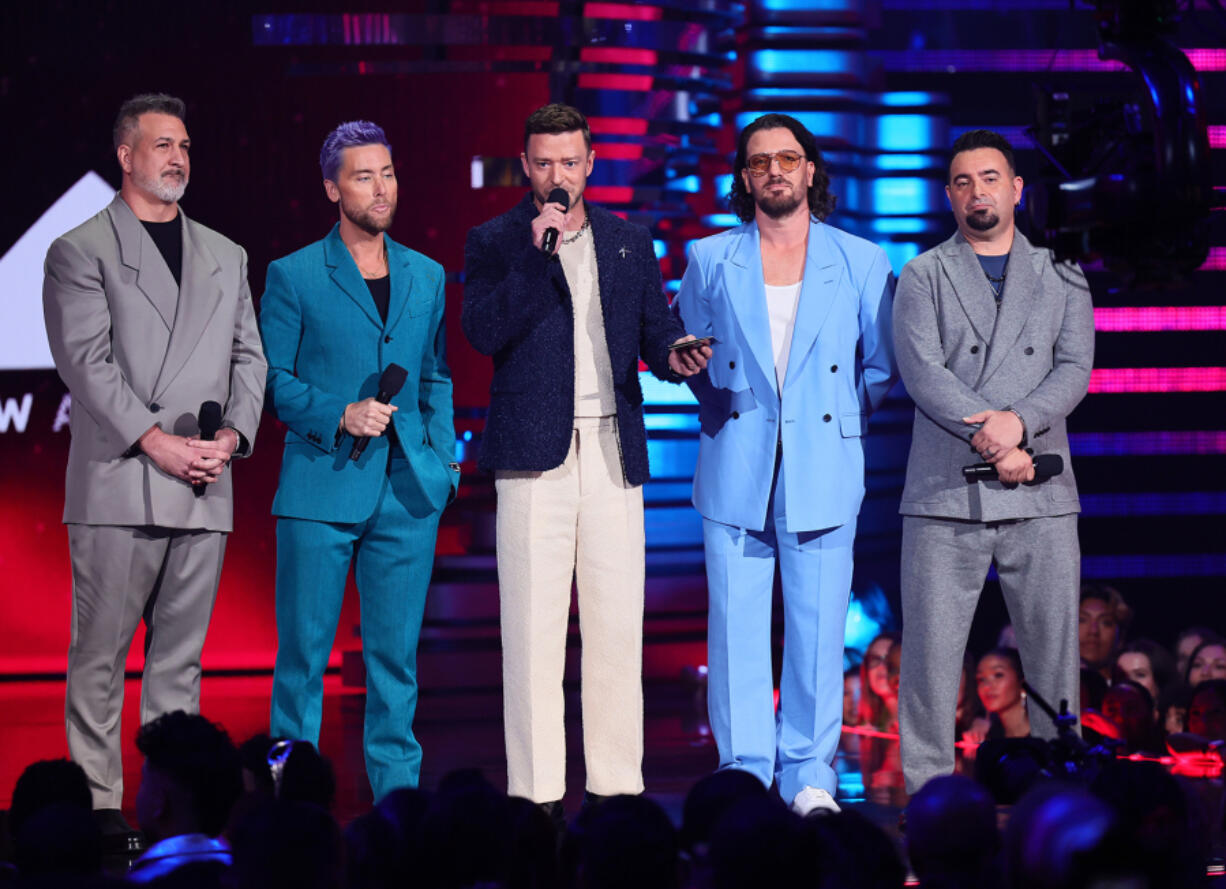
(327, 347)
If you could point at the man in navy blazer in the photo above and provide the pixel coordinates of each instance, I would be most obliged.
(566, 316)
(801, 312)
(334, 316)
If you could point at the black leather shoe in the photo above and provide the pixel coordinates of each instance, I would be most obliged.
(591, 800)
(557, 816)
(119, 838)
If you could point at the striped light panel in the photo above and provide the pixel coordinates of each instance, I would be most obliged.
(954, 60)
(1134, 444)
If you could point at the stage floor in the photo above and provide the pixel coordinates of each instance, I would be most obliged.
(457, 729)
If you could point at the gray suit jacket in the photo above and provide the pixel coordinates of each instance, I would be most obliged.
(959, 355)
(135, 350)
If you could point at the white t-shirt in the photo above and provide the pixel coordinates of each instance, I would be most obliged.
(593, 369)
(781, 302)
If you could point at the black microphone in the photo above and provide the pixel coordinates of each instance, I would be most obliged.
(389, 385)
(1045, 466)
(550, 241)
(209, 421)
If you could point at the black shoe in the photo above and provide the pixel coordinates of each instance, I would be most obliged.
(557, 816)
(119, 838)
(591, 800)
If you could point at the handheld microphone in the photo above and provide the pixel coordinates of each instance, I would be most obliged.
(550, 241)
(209, 421)
(389, 386)
(1045, 466)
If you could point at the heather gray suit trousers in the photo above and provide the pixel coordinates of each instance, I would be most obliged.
(117, 571)
(945, 562)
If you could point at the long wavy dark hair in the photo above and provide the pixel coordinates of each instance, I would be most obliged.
(821, 201)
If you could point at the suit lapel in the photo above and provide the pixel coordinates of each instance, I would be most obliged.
(970, 285)
(746, 290)
(1016, 303)
(400, 266)
(138, 252)
(817, 290)
(610, 251)
(199, 295)
(345, 275)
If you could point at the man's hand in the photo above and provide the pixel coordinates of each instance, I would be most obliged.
(552, 216)
(689, 361)
(367, 418)
(1015, 467)
(213, 456)
(173, 454)
(1000, 433)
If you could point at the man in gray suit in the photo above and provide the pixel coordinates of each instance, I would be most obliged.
(995, 341)
(149, 316)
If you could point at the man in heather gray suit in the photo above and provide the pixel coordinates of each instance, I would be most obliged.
(149, 316)
(995, 341)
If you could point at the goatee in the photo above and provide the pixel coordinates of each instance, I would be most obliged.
(982, 222)
(169, 187)
(779, 206)
(368, 223)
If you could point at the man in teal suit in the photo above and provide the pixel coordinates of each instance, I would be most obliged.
(801, 316)
(334, 316)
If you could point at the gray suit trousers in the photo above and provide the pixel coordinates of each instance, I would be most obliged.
(117, 571)
(944, 564)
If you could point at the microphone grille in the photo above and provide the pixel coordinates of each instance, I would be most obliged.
(209, 419)
(1047, 465)
(393, 379)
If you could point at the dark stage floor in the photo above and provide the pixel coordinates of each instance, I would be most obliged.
(457, 729)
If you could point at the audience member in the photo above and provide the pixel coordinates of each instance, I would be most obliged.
(760, 842)
(878, 699)
(951, 837)
(1146, 663)
(1173, 708)
(851, 695)
(969, 707)
(850, 852)
(466, 833)
(534, 845)
(1102, 620)
(190, 779)
(283, 844)
(58, 845)
(1188, 640)
(1207, 710)
(708, 801)
(998, 678)
(1156, 823)
(625, 841)
(1063, 837)
(1130, 709)
(45, 783)
(1208, 661)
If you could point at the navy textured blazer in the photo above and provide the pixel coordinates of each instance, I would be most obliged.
(517, 308)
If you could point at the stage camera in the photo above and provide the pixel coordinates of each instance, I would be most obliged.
(1127, 178)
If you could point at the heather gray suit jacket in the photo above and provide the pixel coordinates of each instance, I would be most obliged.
(134, 349)
(959, 355)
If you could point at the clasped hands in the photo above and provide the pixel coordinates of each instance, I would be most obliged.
(997, 440)
(190, 459)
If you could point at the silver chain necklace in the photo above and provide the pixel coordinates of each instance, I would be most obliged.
(587, 223)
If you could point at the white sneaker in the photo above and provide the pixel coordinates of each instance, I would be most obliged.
(814, 799)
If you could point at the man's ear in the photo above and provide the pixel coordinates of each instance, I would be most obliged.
(124, 154)
(333, 193)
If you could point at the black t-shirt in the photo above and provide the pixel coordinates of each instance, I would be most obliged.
(381, 291)
(169, 239)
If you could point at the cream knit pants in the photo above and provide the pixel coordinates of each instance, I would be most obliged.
(580, 521)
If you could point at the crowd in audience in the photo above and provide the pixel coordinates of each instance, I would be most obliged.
(260, 816)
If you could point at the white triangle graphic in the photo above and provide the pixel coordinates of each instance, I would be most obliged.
(23, 336)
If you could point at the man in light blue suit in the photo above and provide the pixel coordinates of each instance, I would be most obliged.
(334, 316)
(800, 313)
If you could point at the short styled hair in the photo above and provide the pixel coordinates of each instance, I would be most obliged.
(973, 139)
(821, 201)
(350, 134)
(556, 118)
(127, 121)
(198, 756)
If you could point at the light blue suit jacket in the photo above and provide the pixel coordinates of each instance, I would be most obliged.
(840, 367)
(327, 347)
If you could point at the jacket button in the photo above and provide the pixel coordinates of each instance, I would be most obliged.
(1029, 350)
(155, 407)
(736, 415)
(826, 418)
(974, 350)
(834, 368)
(387, 339)
(731, 365)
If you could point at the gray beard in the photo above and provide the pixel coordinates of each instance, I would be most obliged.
(167, 188)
